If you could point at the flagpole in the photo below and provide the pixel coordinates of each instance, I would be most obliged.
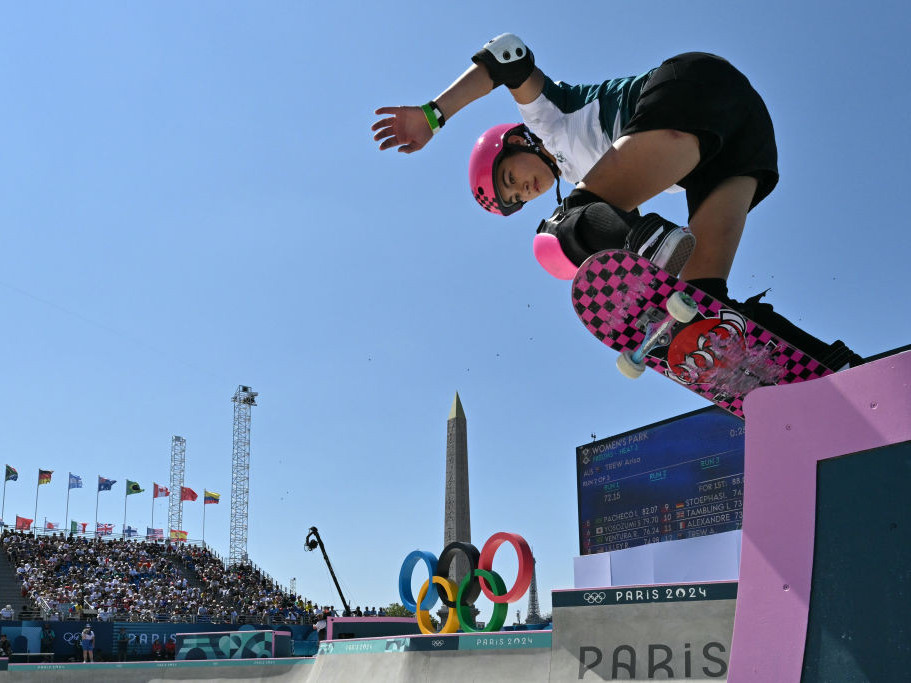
(66, 515)
(3, 507)
(126, 492)
(97, 496)
(204, 519)
(152, 525)
(37, 488)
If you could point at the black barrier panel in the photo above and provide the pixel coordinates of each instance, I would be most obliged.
(141, 637)
(25, 636)
(375, 627)
(859, 627)
(68, 643)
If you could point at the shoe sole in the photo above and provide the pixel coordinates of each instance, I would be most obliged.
(676, 251)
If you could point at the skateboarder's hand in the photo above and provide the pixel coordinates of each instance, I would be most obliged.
(405, 127)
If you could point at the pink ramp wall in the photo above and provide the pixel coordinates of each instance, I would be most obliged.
(788, 430)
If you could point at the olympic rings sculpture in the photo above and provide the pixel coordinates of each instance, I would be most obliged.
(480, 578)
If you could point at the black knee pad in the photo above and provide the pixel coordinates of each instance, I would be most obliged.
(585, 224)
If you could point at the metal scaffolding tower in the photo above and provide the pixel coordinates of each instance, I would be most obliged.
(178, 468)
(244, 399)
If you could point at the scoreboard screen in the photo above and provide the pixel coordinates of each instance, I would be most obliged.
(676, 479)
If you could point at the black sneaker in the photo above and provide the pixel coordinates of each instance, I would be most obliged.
(839, 357)
(666, 245)
(834, 356)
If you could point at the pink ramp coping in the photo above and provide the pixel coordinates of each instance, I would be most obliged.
(789, 429)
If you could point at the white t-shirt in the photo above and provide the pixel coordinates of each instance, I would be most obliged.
(578, 123)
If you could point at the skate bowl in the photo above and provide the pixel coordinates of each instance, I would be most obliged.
(822, 591)
(506, 656)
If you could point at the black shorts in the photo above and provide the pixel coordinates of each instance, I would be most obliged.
(705, 95)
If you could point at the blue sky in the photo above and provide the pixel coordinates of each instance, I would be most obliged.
(191, 199)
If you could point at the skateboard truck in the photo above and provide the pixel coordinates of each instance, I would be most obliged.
(680, 308)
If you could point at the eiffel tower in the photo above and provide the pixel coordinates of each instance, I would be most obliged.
(534, 610)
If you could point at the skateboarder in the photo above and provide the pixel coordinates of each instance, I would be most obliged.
(692, 123)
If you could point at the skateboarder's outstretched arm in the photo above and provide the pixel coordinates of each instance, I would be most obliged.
(503, 60)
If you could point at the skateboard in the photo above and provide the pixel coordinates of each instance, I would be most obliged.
(655, 320)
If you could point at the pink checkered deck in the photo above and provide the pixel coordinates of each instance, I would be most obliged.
(612, 288)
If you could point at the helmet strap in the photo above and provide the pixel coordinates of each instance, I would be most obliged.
(534, 145)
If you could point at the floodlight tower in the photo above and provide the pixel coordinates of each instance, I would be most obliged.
(244, 399)
(178, 468)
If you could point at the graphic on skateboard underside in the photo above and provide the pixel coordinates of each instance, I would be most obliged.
(720, 354)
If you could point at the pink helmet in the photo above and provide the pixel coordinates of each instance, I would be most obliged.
(486, 156)
(482, 166)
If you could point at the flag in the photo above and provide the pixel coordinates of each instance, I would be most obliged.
(51, 525)
(187, 493)
(73, 527)
(11, 473)
(210, 498)
(105, 484)
(160, 491)
(23, 524)
(178, 535)
(154, 534)
(44, 476)
(133, 487)
(129, 531)
(75, 481)
(104, 529)
(77, 527)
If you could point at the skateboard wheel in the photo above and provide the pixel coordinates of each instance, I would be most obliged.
(682, 307)
(628, 367)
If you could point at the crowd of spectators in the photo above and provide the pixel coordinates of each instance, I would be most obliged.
(230, 593)
(250, 592)
(73, 577)
(87, 578)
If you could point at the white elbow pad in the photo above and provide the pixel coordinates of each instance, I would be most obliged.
(507, 59)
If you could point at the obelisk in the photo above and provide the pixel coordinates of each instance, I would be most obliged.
(457, 522)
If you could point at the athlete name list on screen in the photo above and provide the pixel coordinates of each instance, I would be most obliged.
(677, 479)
